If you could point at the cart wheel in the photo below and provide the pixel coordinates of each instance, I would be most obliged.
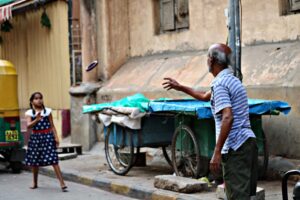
(119, 156)
(166, 151)
(185, 153)
(136, 152)
(265, 157)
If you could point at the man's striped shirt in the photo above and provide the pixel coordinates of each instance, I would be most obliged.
(228, 91)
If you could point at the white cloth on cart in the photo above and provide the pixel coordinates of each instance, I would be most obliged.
(123, 116)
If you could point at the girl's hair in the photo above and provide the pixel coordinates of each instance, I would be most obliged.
(31, 99)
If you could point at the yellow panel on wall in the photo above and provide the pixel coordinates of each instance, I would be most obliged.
(40, 55)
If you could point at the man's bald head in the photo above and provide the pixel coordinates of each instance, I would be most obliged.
(221, 54)
(221, 47)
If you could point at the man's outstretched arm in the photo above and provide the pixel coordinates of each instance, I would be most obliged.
(173, 84)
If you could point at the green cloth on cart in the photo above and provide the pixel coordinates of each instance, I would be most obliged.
(135, 101)
(5, 2)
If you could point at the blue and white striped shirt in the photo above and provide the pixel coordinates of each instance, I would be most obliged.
(228, 91)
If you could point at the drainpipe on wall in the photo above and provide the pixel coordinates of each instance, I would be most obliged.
(234, 39)
(231, 30)
(70, 10)
(89, 39)
(238, 48)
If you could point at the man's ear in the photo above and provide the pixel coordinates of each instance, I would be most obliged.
(212, 61)
(209, 61)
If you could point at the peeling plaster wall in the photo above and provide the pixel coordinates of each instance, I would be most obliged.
(112, 36)
(128, 28)
(204, 15)
(261, 23)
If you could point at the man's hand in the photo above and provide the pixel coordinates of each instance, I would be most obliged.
(171, 84)
(227, 120)
(215, 162)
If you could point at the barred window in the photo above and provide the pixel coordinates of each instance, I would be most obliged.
(288, 7)
(174, 15)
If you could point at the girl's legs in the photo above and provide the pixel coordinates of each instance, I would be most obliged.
(35, 171)
(59, 176)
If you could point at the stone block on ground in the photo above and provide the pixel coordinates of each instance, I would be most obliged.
(179, 184)
(220, 192)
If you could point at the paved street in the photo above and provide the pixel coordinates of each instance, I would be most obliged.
(16, 186)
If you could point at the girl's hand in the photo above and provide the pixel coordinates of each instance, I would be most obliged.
(56, 141)
(38, 116)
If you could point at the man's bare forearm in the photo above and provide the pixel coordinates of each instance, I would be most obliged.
(200, 95)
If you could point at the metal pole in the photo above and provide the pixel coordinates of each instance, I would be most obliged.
(238, 50)
(70, 16)
(231, 30)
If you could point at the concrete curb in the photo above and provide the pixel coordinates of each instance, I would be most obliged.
(133, 191)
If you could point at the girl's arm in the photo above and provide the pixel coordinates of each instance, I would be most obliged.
(54, 130)
(30, 122)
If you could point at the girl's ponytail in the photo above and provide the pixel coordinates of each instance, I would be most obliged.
(44, 109)
(33, 111)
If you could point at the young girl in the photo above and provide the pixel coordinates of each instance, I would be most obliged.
(43, 140)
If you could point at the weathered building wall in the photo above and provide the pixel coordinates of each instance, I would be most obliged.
(207, 26)
(128, 28)
(261, 23)
(113, 35)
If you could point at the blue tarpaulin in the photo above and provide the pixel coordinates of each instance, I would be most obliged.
(203, 110)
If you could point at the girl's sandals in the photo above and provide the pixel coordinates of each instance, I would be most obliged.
(64, 189)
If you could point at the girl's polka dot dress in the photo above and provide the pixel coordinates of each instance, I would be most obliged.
(41, 149)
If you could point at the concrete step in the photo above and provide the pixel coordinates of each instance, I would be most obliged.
(67, 156)
(70, 148)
